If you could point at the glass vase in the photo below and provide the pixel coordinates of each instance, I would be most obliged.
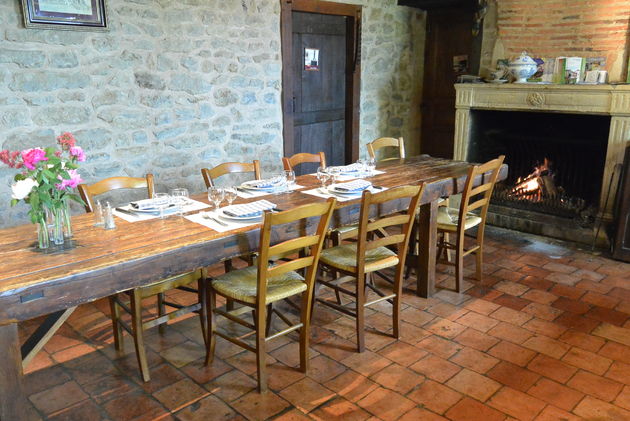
(55, 225)
(67, 221)
(43, 241)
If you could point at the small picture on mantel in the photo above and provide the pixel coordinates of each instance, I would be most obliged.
(65, 14)
(460, 64)
(311, 59)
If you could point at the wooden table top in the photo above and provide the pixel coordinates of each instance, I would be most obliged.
(134, 254)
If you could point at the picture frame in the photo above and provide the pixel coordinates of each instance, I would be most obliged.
(78, 15)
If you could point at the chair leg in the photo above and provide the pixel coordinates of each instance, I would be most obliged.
(269, 319)
(203, 318)
(304, 332)
(398, 284)
(459, 268)
(479, 258)
(212, 338)
(360, 320)
(261, 351)
(115, 315)
(138, 337)
(161, 312)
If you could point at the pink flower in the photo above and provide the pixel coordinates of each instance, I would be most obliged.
(72, 182)
(30, 157)
(66, 140)
(77, 152)
(10, 158)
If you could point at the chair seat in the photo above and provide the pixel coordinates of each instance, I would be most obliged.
(447, 219)
(344, 257)
(241, 285)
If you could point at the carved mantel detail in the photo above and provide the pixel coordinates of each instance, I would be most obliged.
(571, 99)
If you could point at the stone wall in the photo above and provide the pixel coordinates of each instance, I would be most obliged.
(551, 28)
(176, 85)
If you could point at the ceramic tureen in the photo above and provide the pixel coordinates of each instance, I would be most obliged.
(523, 67)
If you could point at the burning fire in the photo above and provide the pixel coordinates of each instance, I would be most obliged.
(536, 185)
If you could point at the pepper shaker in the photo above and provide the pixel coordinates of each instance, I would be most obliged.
(98, 215)
(109, 218)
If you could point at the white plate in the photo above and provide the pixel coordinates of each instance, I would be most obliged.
(334, 190)
(247, 185)
(239, 218)
(148, 210)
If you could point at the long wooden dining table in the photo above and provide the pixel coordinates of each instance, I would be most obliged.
(101, 262)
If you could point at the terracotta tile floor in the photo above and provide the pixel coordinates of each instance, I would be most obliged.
(547, 337)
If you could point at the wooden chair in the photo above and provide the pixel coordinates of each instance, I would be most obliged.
(290, 163)
(258, 287)
(133, 305)
(457, 222)
(384, 142)
(372, 253)
(211, 174)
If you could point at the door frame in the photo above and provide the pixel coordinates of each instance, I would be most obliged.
(353, 68)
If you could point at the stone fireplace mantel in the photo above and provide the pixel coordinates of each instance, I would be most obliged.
(613, 100)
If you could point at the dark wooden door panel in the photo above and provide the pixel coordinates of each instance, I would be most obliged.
(319, 98)
(449, 35)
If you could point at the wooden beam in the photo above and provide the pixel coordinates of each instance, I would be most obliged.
(42, 335)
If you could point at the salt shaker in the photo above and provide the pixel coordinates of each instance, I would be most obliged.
(98, 215)
(109, 218)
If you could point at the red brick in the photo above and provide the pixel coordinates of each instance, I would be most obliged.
(397, 378)
(547, 346)
(595, 409)
(573, 306)
(336, 409)
(514, 376)
(517, 404)
(387, 404)
(552, 368)
(594, 385)
(511, 333)
(510, 316)
(587, 360)
(551, 413)
(510, 301)
(555, 394)
(541, 297)
(607, 315)
(475, 339)
(577, 322)
(477, 321)
(619, 371)
(582, 340)
(475, 360)
(439, 346)
(473, 384)
(567, 291)
(546, 328)
(616, 351)
(470, 410)
(515, 354)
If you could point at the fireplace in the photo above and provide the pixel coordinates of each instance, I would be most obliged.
(556, 160)
(562, 144)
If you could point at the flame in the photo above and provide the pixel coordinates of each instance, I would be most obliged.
(530, 187)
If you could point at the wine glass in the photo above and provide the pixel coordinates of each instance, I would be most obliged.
(334, 173)
(322, 176)
(230, 194)
(161, 201)
(216, 195)
(290, 176)
(280, 182)
(361, 164)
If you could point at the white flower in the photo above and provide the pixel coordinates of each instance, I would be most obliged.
(22, 188)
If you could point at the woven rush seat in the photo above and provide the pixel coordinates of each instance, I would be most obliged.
(241, 285)
(447, 219)
(344, 257)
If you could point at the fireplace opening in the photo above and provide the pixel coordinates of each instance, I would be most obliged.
(556, 161)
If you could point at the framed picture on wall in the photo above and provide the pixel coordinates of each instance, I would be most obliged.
(65, 14)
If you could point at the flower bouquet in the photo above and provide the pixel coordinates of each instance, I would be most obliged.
(46, 181)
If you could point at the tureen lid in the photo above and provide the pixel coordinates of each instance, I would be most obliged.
(523, 59)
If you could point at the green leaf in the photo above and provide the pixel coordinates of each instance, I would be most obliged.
(49, 174)
(34, 200)
(14, 202)
(76, 198)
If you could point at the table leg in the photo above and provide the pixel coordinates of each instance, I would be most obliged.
(13, 405)
(427, 241)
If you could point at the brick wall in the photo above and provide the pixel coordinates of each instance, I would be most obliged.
(551, 28)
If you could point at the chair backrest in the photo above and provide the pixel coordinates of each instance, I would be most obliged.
(88, 191)
(290, 163)
(368, 227)
(313, 242)
(479, 197)
(384, 142)
(211, 174)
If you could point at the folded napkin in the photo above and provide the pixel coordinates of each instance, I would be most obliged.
(143, 204)
(262, 184)
(352, 168)
(353, 186)
(249, 209)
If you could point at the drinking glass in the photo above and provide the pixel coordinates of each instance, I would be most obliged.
(322, 176)
(370, 166)
(216, 195)
(334, 173)
(280, 181)
(161, 201)
(179, 197)
(362, 170)
(290, 176)
(230, 195)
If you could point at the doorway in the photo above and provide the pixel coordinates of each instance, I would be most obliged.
(321, 79)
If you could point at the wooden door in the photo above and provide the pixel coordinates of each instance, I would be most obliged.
(319, 87)
(321, 100)
(449, 35)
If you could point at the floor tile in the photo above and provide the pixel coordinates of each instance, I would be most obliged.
(473, 384)
(470, 410)
(593, 408)
(207, 408)
(514, 376)
(513, 353)
(180, 394)
(136, 405)
(435, 396)
(474, 360)
(306, 394)
(477, 321)
(385, 404)
(421, 414)
(351, 385)
(403, 353)
(517, 404)
(397, 378)
(477, 340)
(58, 397)
(256, 406)
(587, 360)
(546, 346)
(555, 394)
(439, 346)
(595, 385)
(552, 368)
(436, 368)
(339, 409)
